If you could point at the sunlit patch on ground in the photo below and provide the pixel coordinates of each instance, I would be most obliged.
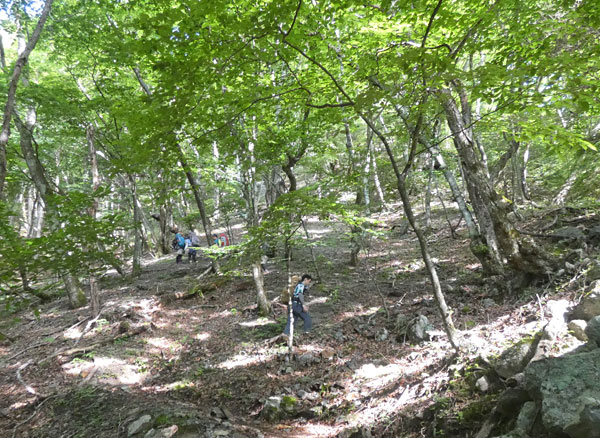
(161, 344)
(361, 312)
(107, 370)
(374, 376)
(258, 322)
(242, 360)
(202, 336)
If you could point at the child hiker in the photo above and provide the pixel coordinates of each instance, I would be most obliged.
(299, 308)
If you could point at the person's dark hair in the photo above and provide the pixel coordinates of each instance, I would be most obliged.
(304, 277)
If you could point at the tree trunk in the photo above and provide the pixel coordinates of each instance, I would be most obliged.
(36, 171)
(435, 282)
(264, 306)
(136, 267)
(517, 253)
(12, 90)
(428, 194)
(95, 177)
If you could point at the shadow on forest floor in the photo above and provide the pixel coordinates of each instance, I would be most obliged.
(206, 363)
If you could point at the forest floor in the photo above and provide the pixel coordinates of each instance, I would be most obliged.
(204, 364)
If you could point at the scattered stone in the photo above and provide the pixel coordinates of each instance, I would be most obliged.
(482, 384)
(382, 335)
(577, 328)
(557, 326)
(589, 305)
(272, 409)
(515, 359)
(307, 359)
(327, 353)
(526, 417)
(511, 400)
(217, 412)
(167, 432)
(140, 425)
(593, 331)
(488, 302)
(418, 330)
(228, 414)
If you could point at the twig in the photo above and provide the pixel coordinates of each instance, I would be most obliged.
(27, 349)
(539, 300)
(28, 388)
(88, 327)
(32, 415)
(89, 376)
(209, 269)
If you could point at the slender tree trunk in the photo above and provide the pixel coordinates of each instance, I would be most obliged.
(136, 268)
(435, 282)
(428, 193)
(376, 181)
(562, 194)
(523, 176)
(95, 177)
(12, 90)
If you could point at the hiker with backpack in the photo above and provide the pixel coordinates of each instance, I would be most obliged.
(192, 243)
(178, 244)
(299, 307)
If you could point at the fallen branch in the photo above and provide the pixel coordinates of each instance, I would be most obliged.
(31, 347)
(89, 376)
(88, 326)
(208, 270)
(73, 351)
(28, 388)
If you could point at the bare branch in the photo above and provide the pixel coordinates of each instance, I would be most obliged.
(435, 11)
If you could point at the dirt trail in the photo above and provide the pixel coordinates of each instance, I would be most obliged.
(206, 366)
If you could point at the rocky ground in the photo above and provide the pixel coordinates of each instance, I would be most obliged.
(172, 354)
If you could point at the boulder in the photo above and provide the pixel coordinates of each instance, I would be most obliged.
(272, 409)
(166, 432)
(569, 234)
(526, 418)
(577, 328)
(515, 359)
(140, 425)
(418, 329)
(589, 305)
(557, 325)
(568, 390)
(592, 331)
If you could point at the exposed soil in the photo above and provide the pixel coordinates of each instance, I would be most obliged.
(178, 358)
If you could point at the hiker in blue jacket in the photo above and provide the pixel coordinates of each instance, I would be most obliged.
(299, 307)
(178, 244)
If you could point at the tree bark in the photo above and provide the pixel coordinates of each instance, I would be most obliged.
(95, 177)
(12, 90)
(503, 248)
(136, 267)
